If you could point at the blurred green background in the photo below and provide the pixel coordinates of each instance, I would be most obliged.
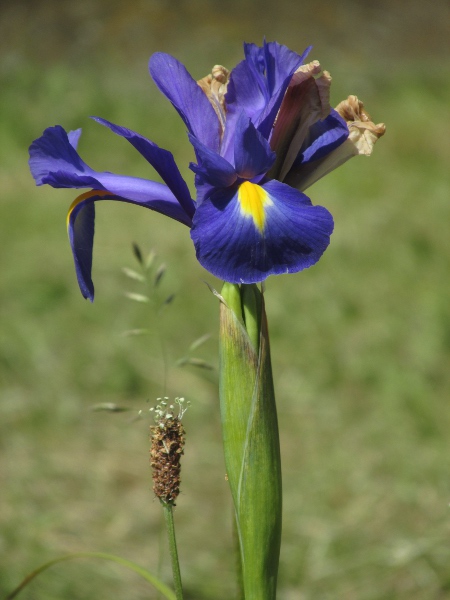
(360, 343)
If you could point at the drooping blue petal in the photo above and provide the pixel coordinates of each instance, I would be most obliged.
(53, 160)
(244, 240)
(161, 160)
(252, 153)
(187, 97)
(80, 227)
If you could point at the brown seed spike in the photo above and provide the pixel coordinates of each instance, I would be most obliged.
(167, 438)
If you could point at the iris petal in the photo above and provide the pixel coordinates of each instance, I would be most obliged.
(328, 146)
(161, 160)
(54, 161)
(252, 152)
(253, 200)
(74, 137)
(260, 76)
(230, 245)
(187, 97)
(280, 63)
(324, 136)
(246, 89)
(53, 152)
(80, 227)
(212, 167)
(257, 86)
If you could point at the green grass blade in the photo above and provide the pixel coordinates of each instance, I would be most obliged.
(157, 584)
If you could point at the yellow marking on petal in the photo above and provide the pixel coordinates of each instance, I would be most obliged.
(83, 197)
(253, 200)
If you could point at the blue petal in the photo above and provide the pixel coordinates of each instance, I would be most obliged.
(236, 246)
(161, 160)
(187, 97)
(74, 137)
(257, 86)
(252, 153)
(212, 167)
(54, 161)
(246, 90)
(324, 136)
(322, 152)
(281, 64)
(53, 153)
(260, 76)
(80, 227)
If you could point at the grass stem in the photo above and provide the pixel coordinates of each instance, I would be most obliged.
(170, 527)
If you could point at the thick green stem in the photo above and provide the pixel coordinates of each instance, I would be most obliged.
(252, 309)
(250, 434)
(170, 528)
(240, 595)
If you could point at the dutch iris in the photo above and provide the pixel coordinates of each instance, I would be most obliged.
(261, 133)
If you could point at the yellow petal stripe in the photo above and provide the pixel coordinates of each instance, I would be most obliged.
(85, 196)
(253, 200)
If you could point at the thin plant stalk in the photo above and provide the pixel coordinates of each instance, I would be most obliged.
(170, 528)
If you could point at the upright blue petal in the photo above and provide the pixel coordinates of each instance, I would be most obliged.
(257, 86)
(252, 153)
(280, 64)
(246, 90)
(187, 97)
(260, 76)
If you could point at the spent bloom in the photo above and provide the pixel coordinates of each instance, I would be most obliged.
(262, 133)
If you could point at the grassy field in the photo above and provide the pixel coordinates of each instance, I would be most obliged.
(360, 343)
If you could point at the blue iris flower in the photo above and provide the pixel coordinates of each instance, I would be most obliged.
(261, 134)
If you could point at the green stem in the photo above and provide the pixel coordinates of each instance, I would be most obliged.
(250, 437)
(170, 528)
(238, 557)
